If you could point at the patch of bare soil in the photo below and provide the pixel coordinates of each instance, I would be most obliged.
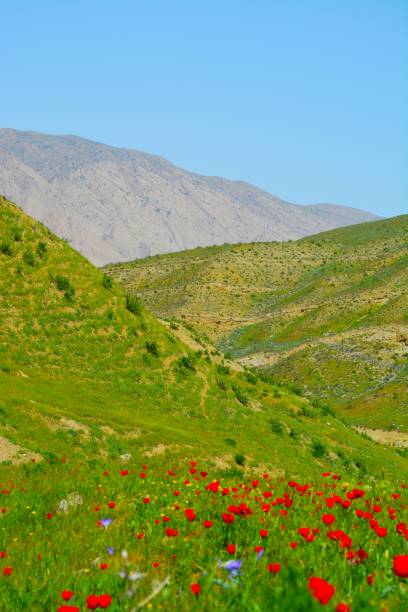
(14, 453)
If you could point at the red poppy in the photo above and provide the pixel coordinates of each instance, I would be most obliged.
(171, 533)
(124, 473)
(207, 524)
(400, 566)
(263, 533)
(65, 608)
(195, 588)
(321, 589)
(104, 566)
(92, 602)
(111, 504)
(274, 568)
(66, 595)
(228, 518)
(3, 554)
(328, 519)
(105, 600)
(343, 607)
(146, 500)
(190, 514)
(7, 571)
(231, 549)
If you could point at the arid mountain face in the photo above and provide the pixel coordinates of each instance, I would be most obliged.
(117, 204)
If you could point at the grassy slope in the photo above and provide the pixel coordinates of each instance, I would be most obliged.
(86, 359)
(330, 311)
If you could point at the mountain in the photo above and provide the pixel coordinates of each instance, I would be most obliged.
(116, 204)
(328, 313)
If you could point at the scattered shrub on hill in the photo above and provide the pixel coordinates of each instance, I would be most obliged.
(41, 249)
(318, 449)
(5, 248)
(107, 281)
(222, 369)
(240, 395)
(240, 459)
(276, 427)
(186, 362)
(29, 258)
(151, 347)
(64, 285)
(221, 383)
(251, 378)
(16, 233)
(133, 304)
(230, 441)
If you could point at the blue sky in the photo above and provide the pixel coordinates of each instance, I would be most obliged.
(306, 99)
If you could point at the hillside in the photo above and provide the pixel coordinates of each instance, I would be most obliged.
(328, 313)
(139, 467)
(116, 204)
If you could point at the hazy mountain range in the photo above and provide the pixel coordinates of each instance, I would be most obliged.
(116, 204)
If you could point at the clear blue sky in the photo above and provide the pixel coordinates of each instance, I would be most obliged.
(307, 99)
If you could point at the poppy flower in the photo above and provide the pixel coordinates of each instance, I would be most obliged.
(321, 590)
(231, 549)
(263, 533)
(105, 600)
(7, 571)
(207, 524)
(92, 602)
(124, 473)
(195, 588)
(228, 517)
(328, 519)
(3, 554)
(171, 533)
(400, 566)
(65, 608)
(111, 504)
(103, 566)
(66, 595)
(146, 500)
(190, 514)
(343, 607)
(274, 568)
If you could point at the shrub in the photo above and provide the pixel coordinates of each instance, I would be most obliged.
(6, 249)
(187, 362)
(16, 233)
(107, 281)
(151, 347)
(276, 427)
(230, 441)
(62, 283)
(240, 459)
(133, 304)
(318, 449)
(29, 258)
(240, 395)
(41, 249)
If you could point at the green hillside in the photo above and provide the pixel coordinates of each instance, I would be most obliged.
(328, 313)
(137, 464)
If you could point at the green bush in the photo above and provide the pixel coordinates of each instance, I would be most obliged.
(6, 249)
(151, 347)
(107, 281)
(133, 304)
(276, 427)
(29, 258)
(41, 249)
(187, 362)
(318, 449)
(16, 233)
(240, 459)
(62, 283)
(240, 395)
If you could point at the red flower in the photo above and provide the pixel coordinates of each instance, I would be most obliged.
(400, 566)
(65, 608)
(231, 549)
(228, 518)
(274, 568)
(207, 524)
(155, 564)
(66, 595)
(293, 545)
(111, 504)
(2, 554)
(146, 500)
(190, 514)
(171, 533)
(124, 473)
(321, 589)
(342, 607)
(7, 571)
(92, 602)
(328, 519)
(104, 566)
(370, 579)
(142, 475)
(105, 600)
(49, 515)
(195, 588)
(263, 533)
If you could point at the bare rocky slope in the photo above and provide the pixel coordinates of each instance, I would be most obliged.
(116, 204)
